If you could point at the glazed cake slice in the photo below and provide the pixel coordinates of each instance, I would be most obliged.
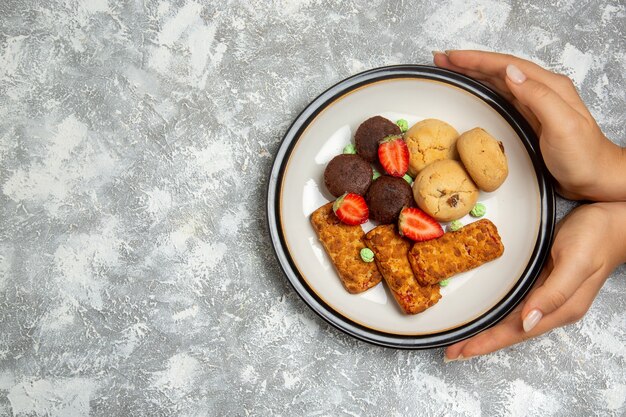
(390, 252)
(343, 244)
(469, 247)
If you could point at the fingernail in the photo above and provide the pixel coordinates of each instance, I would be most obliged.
(531, 320)
(458, 358)
(438, 52)
(515, 74)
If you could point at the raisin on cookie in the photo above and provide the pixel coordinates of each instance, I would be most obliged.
(445, 190)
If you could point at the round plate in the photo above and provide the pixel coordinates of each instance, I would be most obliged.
(522, 208)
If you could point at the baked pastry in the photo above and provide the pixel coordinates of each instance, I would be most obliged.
(347, 174)
(445, 191)
(370, 133)
(343, 244)
(434, 260)
(484, 158)
(428, 141)
(386, 197)
(390, 252)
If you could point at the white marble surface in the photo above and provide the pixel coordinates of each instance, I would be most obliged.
(136, 275)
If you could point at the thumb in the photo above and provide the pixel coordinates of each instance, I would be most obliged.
(544, 102)
(564, 279)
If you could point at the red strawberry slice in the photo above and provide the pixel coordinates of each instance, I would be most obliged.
(351, 209)
(417, 225)
(393, 155)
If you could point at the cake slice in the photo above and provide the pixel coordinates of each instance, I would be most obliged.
(343, 244)
(390, 252)
(469, 247)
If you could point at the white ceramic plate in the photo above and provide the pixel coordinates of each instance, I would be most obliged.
(522, 208)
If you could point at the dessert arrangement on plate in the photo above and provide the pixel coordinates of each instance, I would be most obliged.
(408, 182)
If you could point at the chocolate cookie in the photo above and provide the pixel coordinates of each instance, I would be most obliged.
(347, 174)
(484, 158)
(445, 190)
(370, 133)
(386, 197)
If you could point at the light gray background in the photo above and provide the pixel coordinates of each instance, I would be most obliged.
(136, 274)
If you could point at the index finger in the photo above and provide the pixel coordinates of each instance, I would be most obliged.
(498, 84)
(494, 64)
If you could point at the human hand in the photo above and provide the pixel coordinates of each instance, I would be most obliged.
(583, 161)
(590, 242)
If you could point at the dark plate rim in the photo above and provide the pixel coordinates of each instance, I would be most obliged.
(508, 302)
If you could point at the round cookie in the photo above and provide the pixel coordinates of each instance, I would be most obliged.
(484, 158)
(347, 174)
(370, 133)
(428, 141)
(445, 190)
(386, 197)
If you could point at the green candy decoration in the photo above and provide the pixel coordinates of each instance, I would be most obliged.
(349, 149)
(479, 210)
(403, 125)
(444, 283)
(408, 179)
(367, 255)
(455, 225)
(375, 175)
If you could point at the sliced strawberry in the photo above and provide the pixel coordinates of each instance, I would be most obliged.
(393, 155)
(417, 225)
(351, 209)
